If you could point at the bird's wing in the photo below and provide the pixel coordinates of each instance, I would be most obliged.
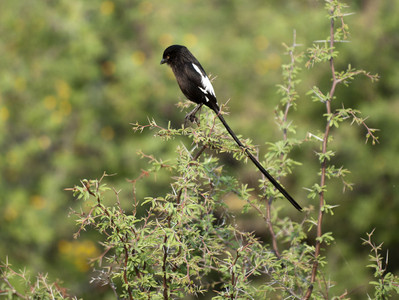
(206, 85)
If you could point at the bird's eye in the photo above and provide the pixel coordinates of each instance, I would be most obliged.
(167, 57)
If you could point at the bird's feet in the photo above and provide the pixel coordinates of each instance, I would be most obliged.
(191, 116)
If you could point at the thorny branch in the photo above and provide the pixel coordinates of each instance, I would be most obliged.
(323, 168)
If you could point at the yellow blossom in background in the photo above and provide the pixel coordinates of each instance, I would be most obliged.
(11, 158)
(261, 42)
(272, 62)
(138, 57)
(107, 8)
(10, 213)
(37, 202)
(20, 84)
(146, 7)
(4, 113)
(261, 66)
(65, 107)
(78, 253)
(64, 247)
(50, 102)
(63, 89)
(165, 40)
(190, 40)
(44, 142)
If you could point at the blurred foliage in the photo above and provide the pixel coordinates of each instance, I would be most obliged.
(74, 74)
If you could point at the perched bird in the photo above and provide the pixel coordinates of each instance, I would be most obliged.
(196, 86)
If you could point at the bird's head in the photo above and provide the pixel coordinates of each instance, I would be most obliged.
(172, 53)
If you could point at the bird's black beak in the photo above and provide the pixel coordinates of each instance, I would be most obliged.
(164, 60)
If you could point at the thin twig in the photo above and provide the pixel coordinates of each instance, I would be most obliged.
(323, 168)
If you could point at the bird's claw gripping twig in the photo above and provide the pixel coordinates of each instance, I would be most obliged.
(191, 116)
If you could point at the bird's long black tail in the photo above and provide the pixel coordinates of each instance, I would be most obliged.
(260, 167)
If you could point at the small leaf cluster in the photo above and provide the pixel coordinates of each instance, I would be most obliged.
(385, 284)
(19, 285)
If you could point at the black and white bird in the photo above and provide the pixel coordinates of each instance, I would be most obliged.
(196, 86)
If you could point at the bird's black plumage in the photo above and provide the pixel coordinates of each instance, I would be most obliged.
(191, 76)
(196, 86)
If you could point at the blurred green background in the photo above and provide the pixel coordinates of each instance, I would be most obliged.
(74, 74)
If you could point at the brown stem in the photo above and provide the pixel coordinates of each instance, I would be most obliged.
(233, 278)
(12, 290)
(323, 169)
(121, 238)
(165, 279)
(289, 87)
(285, 137)
(165, 249)
(271, 230)
(195, 157)
(178, 197)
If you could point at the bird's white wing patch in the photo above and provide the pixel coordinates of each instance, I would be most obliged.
(207, 87)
